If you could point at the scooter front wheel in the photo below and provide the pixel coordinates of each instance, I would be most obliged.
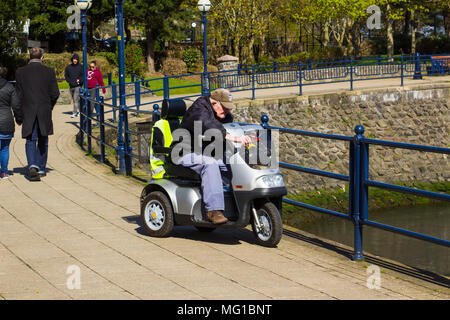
(269, 227)
(157, 214)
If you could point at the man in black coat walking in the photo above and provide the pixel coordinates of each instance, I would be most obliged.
(38, 91)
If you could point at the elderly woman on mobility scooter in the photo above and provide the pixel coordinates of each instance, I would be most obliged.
(245, 194)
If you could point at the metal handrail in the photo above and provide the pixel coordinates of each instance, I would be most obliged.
(358, 144)
(359, 183)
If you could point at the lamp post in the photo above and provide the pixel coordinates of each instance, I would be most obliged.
(204, 6)
(193, 25)
(123, 143)
(83, 5)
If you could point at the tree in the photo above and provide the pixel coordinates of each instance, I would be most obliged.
(163, 20)
(247, 21)
(12, 17)
(49, 19)
(338, 17)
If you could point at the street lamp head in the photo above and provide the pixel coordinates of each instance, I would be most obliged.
(204, 5)
(83, 4)
(193, 25)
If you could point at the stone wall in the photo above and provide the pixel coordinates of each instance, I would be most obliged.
(416, 114)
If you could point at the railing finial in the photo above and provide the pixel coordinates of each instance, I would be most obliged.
(156, 113)
(359, 129)
(265, 120)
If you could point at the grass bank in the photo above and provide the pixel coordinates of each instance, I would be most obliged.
(337, 200)
(188, 87)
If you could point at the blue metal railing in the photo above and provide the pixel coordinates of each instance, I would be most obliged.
(359, 183)
(313, 72)
(357, 176)
(254, 78)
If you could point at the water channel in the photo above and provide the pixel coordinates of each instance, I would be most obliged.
(429, 220)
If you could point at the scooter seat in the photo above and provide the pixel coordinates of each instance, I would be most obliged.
(180, 172)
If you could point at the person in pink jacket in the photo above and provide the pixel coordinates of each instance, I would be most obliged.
(94, 77)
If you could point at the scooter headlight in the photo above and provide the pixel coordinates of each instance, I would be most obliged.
(273, 181)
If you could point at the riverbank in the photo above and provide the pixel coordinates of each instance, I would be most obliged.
(336, 199)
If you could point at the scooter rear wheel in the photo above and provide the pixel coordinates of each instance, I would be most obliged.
(271, 226)
(157, 214)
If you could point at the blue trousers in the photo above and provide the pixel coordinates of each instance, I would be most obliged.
(213, 173)
(36, 148)
(4, 154)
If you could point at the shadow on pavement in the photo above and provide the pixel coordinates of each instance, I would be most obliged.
(219, 236)
(23, 171)
(414, 272)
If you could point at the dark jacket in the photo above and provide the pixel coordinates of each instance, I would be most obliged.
(74, 72)
(9, 100)
(202, 110)
(38, 92)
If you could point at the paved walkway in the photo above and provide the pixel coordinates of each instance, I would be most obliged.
(83, 216)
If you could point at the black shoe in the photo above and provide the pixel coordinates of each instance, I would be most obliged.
(34, 174)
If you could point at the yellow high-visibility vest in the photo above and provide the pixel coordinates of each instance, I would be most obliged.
(157, 162)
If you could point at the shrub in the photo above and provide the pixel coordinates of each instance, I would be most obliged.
(59, 62)
(173, 67)
(190, 57)
(433, 44)
(134, 59)
(12, 63)
(111, 57)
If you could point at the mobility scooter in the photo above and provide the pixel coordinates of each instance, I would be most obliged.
(254, 196)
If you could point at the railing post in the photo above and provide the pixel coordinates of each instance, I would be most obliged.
(417, 70)
(166, 89)
(109, 78)
(97, 98)
(275, 67)
(137, 94)
(351, 73)
(364, 206)
(102, 129)
(402, 66)
(265, 125)
(127, 144)
(132, 77)
(356, 210)
(89, 124)
(379, 59)
(253, 82)
(82, 103)
(114, 100)
(202, 83)
(300, 72)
